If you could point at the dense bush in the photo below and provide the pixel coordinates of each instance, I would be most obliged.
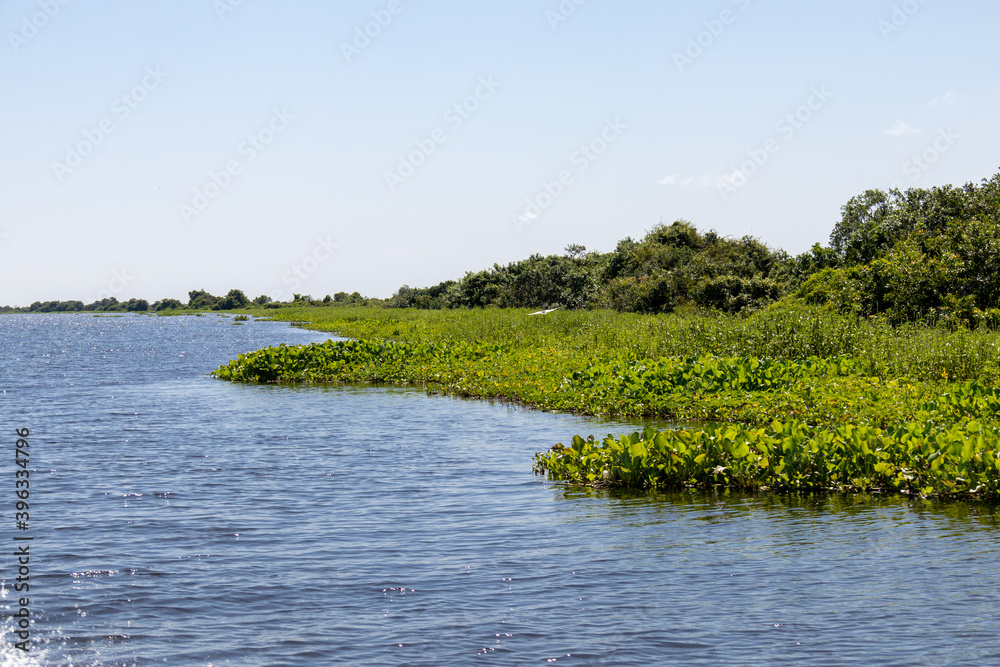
(919, 265)
(671, 266)
(915, 255)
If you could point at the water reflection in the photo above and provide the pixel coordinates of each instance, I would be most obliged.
(714, 505)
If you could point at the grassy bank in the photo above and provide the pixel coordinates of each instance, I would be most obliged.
(788, 331)
(807, 399)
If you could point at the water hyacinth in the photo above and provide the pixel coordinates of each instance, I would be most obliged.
(835, 422)
(789, 456)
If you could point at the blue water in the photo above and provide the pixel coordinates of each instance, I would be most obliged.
(182, 520)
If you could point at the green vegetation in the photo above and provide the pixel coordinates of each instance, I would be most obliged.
(671, 266)
(960, 460)
(789, 330)
(917, 399)
(198, 301)
(866, 365)
(921, 255)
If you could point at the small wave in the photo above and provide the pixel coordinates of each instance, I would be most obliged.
(95, 573)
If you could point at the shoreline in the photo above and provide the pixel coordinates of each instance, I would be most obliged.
(784, 425)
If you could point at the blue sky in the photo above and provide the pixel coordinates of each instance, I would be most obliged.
(152, 147)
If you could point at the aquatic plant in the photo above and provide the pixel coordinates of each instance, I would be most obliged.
(606, 363)
(959, 460)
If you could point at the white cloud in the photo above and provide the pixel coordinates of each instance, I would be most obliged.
(900, 128)
(947, 98)
(668, 180)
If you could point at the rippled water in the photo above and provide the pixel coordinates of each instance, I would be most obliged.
(186, 521)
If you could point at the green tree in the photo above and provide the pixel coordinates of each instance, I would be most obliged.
(201, 300)
(234, 300)
(167, 304)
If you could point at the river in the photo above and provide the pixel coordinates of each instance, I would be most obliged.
(181, 520)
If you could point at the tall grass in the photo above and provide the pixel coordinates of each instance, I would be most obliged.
(788, 330)
(800, 398)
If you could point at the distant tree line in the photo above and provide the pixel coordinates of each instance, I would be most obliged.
(198, 300)
(929, 255)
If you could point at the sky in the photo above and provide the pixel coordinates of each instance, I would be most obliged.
(153, 147)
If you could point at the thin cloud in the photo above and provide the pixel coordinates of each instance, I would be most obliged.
(947, 98)
(899, 128)
(668, 180)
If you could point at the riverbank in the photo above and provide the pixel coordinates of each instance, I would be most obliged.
(806, 399)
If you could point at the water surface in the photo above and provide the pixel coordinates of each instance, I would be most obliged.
(187, 521)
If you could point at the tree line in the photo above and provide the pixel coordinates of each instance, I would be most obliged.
(928, 255)
(198, 301)
(916, 255)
